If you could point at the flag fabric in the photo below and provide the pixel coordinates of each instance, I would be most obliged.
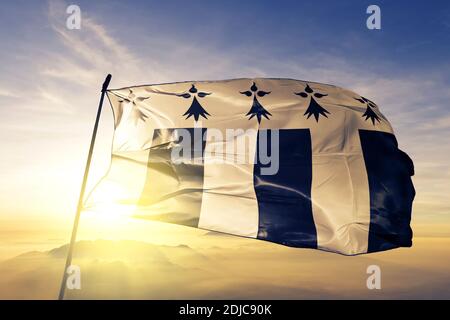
(297, 163)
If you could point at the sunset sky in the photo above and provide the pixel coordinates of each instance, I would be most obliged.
(50, 78)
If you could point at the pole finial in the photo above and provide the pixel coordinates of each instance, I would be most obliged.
(106, 83)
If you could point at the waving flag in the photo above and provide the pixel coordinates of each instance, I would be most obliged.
(292, 162)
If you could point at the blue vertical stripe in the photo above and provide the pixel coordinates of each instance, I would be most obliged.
(389, 171)
(180, 185)
(284, 199)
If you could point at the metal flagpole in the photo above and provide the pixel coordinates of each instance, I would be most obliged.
(83, 188)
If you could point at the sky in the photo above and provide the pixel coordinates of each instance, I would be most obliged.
(50, 78)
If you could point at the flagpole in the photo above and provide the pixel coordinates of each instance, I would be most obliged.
(83, 189)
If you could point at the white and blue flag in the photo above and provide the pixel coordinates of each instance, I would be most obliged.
(297, 163)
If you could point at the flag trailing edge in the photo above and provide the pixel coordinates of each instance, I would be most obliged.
(335, 181)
